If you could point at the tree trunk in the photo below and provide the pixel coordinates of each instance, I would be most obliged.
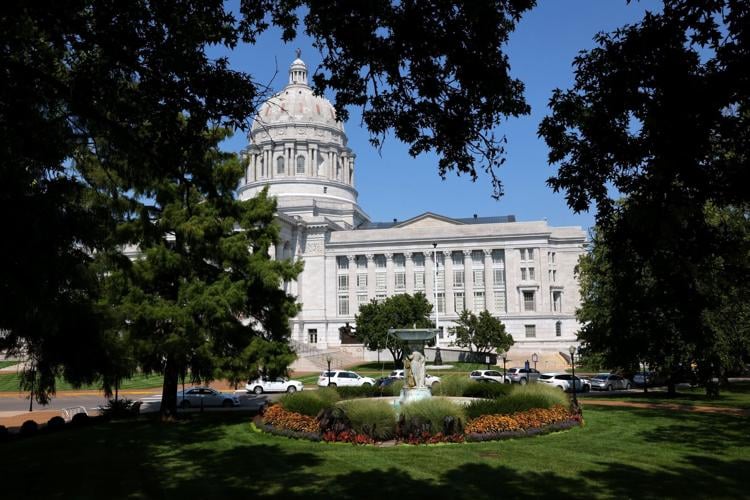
(169, 391)
(671, 387)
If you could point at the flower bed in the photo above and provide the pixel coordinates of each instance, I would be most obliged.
(333, 425)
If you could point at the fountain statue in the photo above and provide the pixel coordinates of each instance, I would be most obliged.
(414, 362)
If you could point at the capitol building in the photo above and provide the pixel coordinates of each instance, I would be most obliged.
(521, 272)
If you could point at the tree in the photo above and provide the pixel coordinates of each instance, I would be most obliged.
(481, 334)
(399, 311)
(658, 117)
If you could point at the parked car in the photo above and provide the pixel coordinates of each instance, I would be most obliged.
(522, 375)
(344, 379)
(385, 381)
(205, 396)
(429, 380)
(609, 382)
(488, 376)
(652, 379)
(565, 382)
(278, 384)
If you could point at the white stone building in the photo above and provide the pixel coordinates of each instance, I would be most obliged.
(522, 272)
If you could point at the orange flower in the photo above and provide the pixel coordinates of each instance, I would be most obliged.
(530, 419)
(280, 418)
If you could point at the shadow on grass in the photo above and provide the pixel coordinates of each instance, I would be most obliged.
(702, 432)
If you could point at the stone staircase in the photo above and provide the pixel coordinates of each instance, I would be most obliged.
(312, 359)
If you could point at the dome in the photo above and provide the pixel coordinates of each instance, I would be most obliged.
(297, 105)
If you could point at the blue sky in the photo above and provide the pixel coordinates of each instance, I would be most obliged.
(392, 184)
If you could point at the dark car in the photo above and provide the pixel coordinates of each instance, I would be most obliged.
(652, 379)
(385, 381)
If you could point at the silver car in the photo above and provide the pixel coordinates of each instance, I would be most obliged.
(609, 382)
(523, 375)
(196, 397)
(489, 376)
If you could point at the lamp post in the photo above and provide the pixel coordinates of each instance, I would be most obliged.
(572, 351)
(328, 360)
(434, 285)
(505, 358)
(534, 359)
(487, 360)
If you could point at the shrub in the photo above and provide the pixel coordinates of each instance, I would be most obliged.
(280, 418)
(79, 419)
(120, 408)
(309, 403)
(365, 391)
(487, 390)
(376, 419)
(4, 435)
(29, 428)
(55, 423)
(452, 386)
(434, 415)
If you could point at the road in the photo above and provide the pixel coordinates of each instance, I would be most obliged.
(92, 402)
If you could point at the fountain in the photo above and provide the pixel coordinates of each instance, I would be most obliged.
(414, 362)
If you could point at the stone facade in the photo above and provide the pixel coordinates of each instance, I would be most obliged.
(522, 272)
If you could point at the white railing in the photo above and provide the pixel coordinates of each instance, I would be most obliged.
(67, 413)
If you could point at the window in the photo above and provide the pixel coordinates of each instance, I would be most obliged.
(400, 279)
(343, 282)
(399, 261)
(440, 259)
(380, 281)
(478, 277)
(527, 274)
(419, 280)
(524, 274)
(361, 299)
(554, 275)
(551, 257)
(557, 301)
(458, 278)
(531, 274)
(498, 276)
(312, 335)
(343, 305)
(280, 165)
(441, 303)
(479, 301)
(380, 261)
(458, 302)
(498, 258)
(530, 331)
(361, 280)
(300, 164)
(342, 262)
(262, 168)
(380, 297)
(529, 304)
(458, 259)
(558, 329)
(361, 262)
(418, 260)
(477, 258)
(499, 301)
(440, 279)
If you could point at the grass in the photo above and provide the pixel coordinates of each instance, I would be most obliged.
(376, 419)
(4, 363)
(737, 395)
(9, 382)
(620, 453)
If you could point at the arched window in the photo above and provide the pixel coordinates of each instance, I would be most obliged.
(300, 164)
(280, 165)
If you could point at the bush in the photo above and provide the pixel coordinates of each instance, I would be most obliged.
(29, 428)
(487, 390)
(376, 419)
(55, 423)
(120, 408)
(79, 419)
(435, 415)
(4, 435)
(454, 386)
(310, 403)
(521, 398)
(365, 391)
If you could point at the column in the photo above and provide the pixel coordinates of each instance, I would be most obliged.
(489, 295)
(389, 279)
(370, 275)
(409, 271)
(468, 281)
(353, 307)
(270, 171)
(448, 271)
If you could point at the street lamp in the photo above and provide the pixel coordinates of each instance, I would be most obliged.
(572, 351)
(434, 285)
(328, 360)
(534, 358)
(505, 357)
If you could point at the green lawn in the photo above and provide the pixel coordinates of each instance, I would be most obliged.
(5, 363)
(620, 453)
(9, 383)
(737, 395)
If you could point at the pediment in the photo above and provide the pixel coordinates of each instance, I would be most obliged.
(429, 219)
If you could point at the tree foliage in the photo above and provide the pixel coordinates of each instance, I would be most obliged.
(398, 311)
(481, 334)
